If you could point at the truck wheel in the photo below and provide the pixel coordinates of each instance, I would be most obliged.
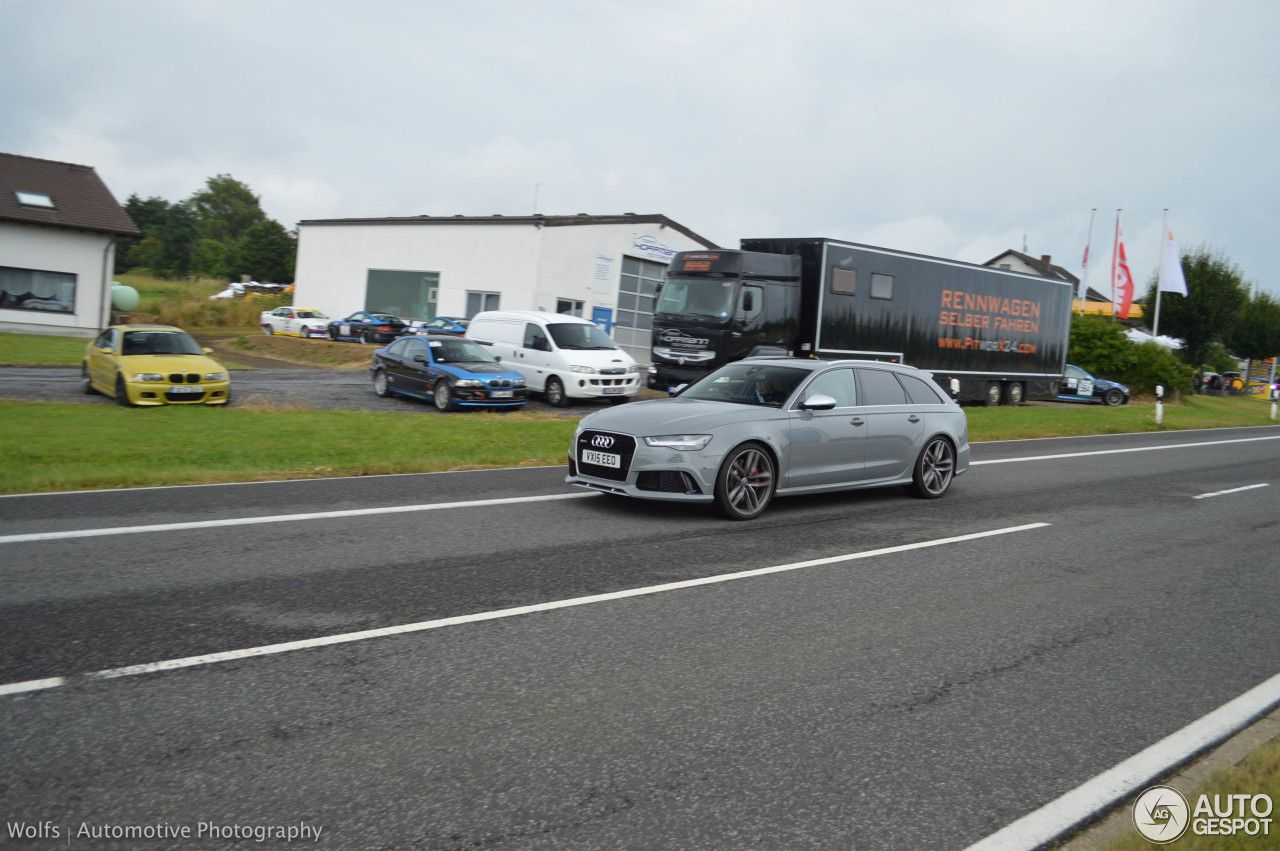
(1013, 393)
(745, 483)
(993, 394)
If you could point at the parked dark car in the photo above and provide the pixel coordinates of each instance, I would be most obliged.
(368, 327)
(446, 369)
(1079, 386)
(444, 325)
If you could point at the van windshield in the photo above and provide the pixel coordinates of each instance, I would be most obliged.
(571, 335)
(697, 297)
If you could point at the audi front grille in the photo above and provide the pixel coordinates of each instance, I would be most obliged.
(622, 445)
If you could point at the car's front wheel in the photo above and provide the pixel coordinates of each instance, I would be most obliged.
(556, 397)
(122, 392)
(86, 386)
(746, 482)
(366, 338)
(380, 384)
(935, 468)
(1113, 397)
(444, 396)
(333, 333)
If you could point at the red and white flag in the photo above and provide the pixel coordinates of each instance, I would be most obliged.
(1121, 279)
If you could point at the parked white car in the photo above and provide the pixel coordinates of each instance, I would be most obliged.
(295, 322)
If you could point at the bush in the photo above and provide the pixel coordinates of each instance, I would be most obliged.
(1156, 365)
(1099, 346)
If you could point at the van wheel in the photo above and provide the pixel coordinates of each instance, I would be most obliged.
(85, 384)
(745, 483)
(556, 397)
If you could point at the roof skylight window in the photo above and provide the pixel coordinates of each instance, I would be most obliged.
(34, 199)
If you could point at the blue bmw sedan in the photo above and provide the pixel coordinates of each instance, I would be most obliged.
(453, 372)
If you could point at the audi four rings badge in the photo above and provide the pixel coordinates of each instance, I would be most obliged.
(602, 441)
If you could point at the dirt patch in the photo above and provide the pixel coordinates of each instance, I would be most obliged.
(262, 351)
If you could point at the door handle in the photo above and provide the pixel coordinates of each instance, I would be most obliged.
(856, 421)
(913, 419)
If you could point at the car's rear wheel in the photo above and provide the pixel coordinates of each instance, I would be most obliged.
(304, 332)
(746, 482)
(380, 384)
(556, 397)
(85, 384)
(268, 330)
(935, 468)
(444, 396)
(122, 392)
(1113, 397)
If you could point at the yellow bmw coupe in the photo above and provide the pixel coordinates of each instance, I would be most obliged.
(153, 365)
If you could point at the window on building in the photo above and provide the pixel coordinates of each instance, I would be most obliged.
(404, 293)
(844, 281)
(637, 291)
(34, 199)
(881, 285)
(34, 289)
(478, 301)
(569, 307)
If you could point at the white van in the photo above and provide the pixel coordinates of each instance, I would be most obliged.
(563, 357)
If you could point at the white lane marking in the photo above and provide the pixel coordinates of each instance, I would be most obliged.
(1121, 451)
(346, 638)
(1057, 817)
(279, 518)
(1232, 490)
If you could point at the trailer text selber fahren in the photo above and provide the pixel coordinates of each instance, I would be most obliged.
(1002, 334)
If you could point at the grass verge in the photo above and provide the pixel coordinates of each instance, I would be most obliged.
(55, 446)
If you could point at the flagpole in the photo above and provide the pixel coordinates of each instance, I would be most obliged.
(1115, 260)
(1084, 274)
(1164, 232)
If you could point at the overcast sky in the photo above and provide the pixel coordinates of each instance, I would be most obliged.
(955, 129)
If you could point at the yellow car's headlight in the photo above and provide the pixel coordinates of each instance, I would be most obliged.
(148, 376)
(215, 376)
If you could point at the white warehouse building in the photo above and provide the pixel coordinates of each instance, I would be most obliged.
(602, 268)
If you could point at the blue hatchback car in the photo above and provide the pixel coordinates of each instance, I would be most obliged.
(451, 371)
(1079, 386)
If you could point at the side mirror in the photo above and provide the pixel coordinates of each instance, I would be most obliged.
(955, 387)
(678, 389)
(207, 350)
(818, 402)
(497, 358)
(419, 358)
(748, 302)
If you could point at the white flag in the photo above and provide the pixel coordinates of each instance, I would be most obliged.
(1171, 277)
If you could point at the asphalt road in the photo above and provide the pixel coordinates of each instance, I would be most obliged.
(912, 698)
(322, 389)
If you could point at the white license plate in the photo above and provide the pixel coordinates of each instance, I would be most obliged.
(501, 394)
(187, 388)
(603, 459)
(613, 391)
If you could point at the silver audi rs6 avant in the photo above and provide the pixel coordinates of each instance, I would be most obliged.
(766, 426)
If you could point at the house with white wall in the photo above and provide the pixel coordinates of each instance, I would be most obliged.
(605, 268)
(58, 229)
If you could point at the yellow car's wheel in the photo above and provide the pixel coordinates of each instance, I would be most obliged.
(85, 384)
(122, 393)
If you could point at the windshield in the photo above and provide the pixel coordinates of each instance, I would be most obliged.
(571, 335)
(748, 384)
(459, 351)
(697, 297)
(159, 343)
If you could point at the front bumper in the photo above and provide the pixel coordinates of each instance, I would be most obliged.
(584, 386)
(645, 472)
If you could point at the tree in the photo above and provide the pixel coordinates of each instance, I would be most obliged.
(1098, 345)
(267, 252)
(148, 215)
(207, 257)
(178, 235)
(1256, 334)
(226, 209)
(1216, 293)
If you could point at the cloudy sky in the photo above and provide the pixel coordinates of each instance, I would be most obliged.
(957, 129)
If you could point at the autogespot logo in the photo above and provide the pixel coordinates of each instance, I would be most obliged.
(1161, 814)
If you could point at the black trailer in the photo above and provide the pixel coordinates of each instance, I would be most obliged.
(1001, 334)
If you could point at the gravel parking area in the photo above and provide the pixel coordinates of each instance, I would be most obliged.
(320, 389)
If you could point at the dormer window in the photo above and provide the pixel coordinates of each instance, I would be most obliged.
(34, 199)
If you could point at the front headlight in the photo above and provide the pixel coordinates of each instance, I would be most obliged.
(683, 442)
(519, 382)
(589, 370)
(635, 367)
(468, 382)
(148, 376)
(215, 376)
